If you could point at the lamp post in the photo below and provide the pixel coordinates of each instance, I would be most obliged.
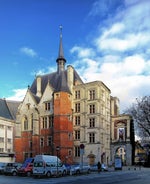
(57, 150)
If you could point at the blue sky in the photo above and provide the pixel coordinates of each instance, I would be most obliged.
(106, 40)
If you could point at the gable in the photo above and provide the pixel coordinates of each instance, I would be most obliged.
(48, 94)
(28, 101)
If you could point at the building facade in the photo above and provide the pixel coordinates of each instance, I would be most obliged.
(7, 124)
(122, 135)
(91, 121)
(60, 113)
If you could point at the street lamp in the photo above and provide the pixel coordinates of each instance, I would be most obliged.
(57, 150)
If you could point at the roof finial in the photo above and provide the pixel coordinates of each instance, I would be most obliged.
(60, 30)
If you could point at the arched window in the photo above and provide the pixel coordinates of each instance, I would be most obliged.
(25, 123)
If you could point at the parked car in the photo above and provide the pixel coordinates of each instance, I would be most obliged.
(27, 167)
(47, 165)
(78, 169)
(103, 167)
(68, 167)
(12, 168)
(2, 166)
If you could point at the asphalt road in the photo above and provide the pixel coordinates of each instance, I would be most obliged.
(111, 177)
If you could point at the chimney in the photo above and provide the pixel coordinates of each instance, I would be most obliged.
(70, 76)
(38, 84)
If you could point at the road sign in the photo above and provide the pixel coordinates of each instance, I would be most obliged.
(82, 146)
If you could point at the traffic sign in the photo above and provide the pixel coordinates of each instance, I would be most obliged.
(82, 146)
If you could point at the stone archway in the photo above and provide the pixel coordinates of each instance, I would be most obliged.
(121, 152)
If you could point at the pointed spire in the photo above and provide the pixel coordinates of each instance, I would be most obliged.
(60, 60)
(61, 53)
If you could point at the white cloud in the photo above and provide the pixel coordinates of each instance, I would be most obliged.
(121, 55)
(43, 71)
(114, 30)
(124, 79)
(128, 29)
(19, 94)
(109, 40)
(134, 65)
(28, 51)
(83, 52)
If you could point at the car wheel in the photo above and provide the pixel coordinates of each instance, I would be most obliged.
(28, 173)
(64, 173)
(14, 173)
(78, 172)
(48, 174)
(88, 171)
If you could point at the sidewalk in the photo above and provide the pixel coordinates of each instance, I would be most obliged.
(132, 168)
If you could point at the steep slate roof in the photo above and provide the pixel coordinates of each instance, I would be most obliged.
(4, 111)
(13, 107)
(8, 109)
(57, 80)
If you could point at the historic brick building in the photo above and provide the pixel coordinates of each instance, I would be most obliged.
(60, 112)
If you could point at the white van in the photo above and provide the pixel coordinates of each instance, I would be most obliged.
(47, 165)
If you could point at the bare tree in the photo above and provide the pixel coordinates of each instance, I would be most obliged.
(140, 111)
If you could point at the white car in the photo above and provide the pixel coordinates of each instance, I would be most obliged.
(78, 169)
(104, 167)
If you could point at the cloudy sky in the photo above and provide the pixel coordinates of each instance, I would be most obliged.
(106, 40)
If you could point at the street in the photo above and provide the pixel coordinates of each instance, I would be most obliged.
(111, 177)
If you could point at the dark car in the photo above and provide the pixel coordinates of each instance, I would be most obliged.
(27, 167)
(12, 168)
(68, 167)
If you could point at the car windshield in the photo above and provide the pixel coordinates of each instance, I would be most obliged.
(24, 164)
(9, 165)
(77, 165)
(38, 164)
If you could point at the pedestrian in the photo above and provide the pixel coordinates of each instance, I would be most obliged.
(99, 167)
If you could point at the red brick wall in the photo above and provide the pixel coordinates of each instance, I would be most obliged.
(63, 125)
(18, 149)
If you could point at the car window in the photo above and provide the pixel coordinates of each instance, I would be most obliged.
(31, 165)
(60, 164)
(53, 165)
(48, 164)
(38, 164)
